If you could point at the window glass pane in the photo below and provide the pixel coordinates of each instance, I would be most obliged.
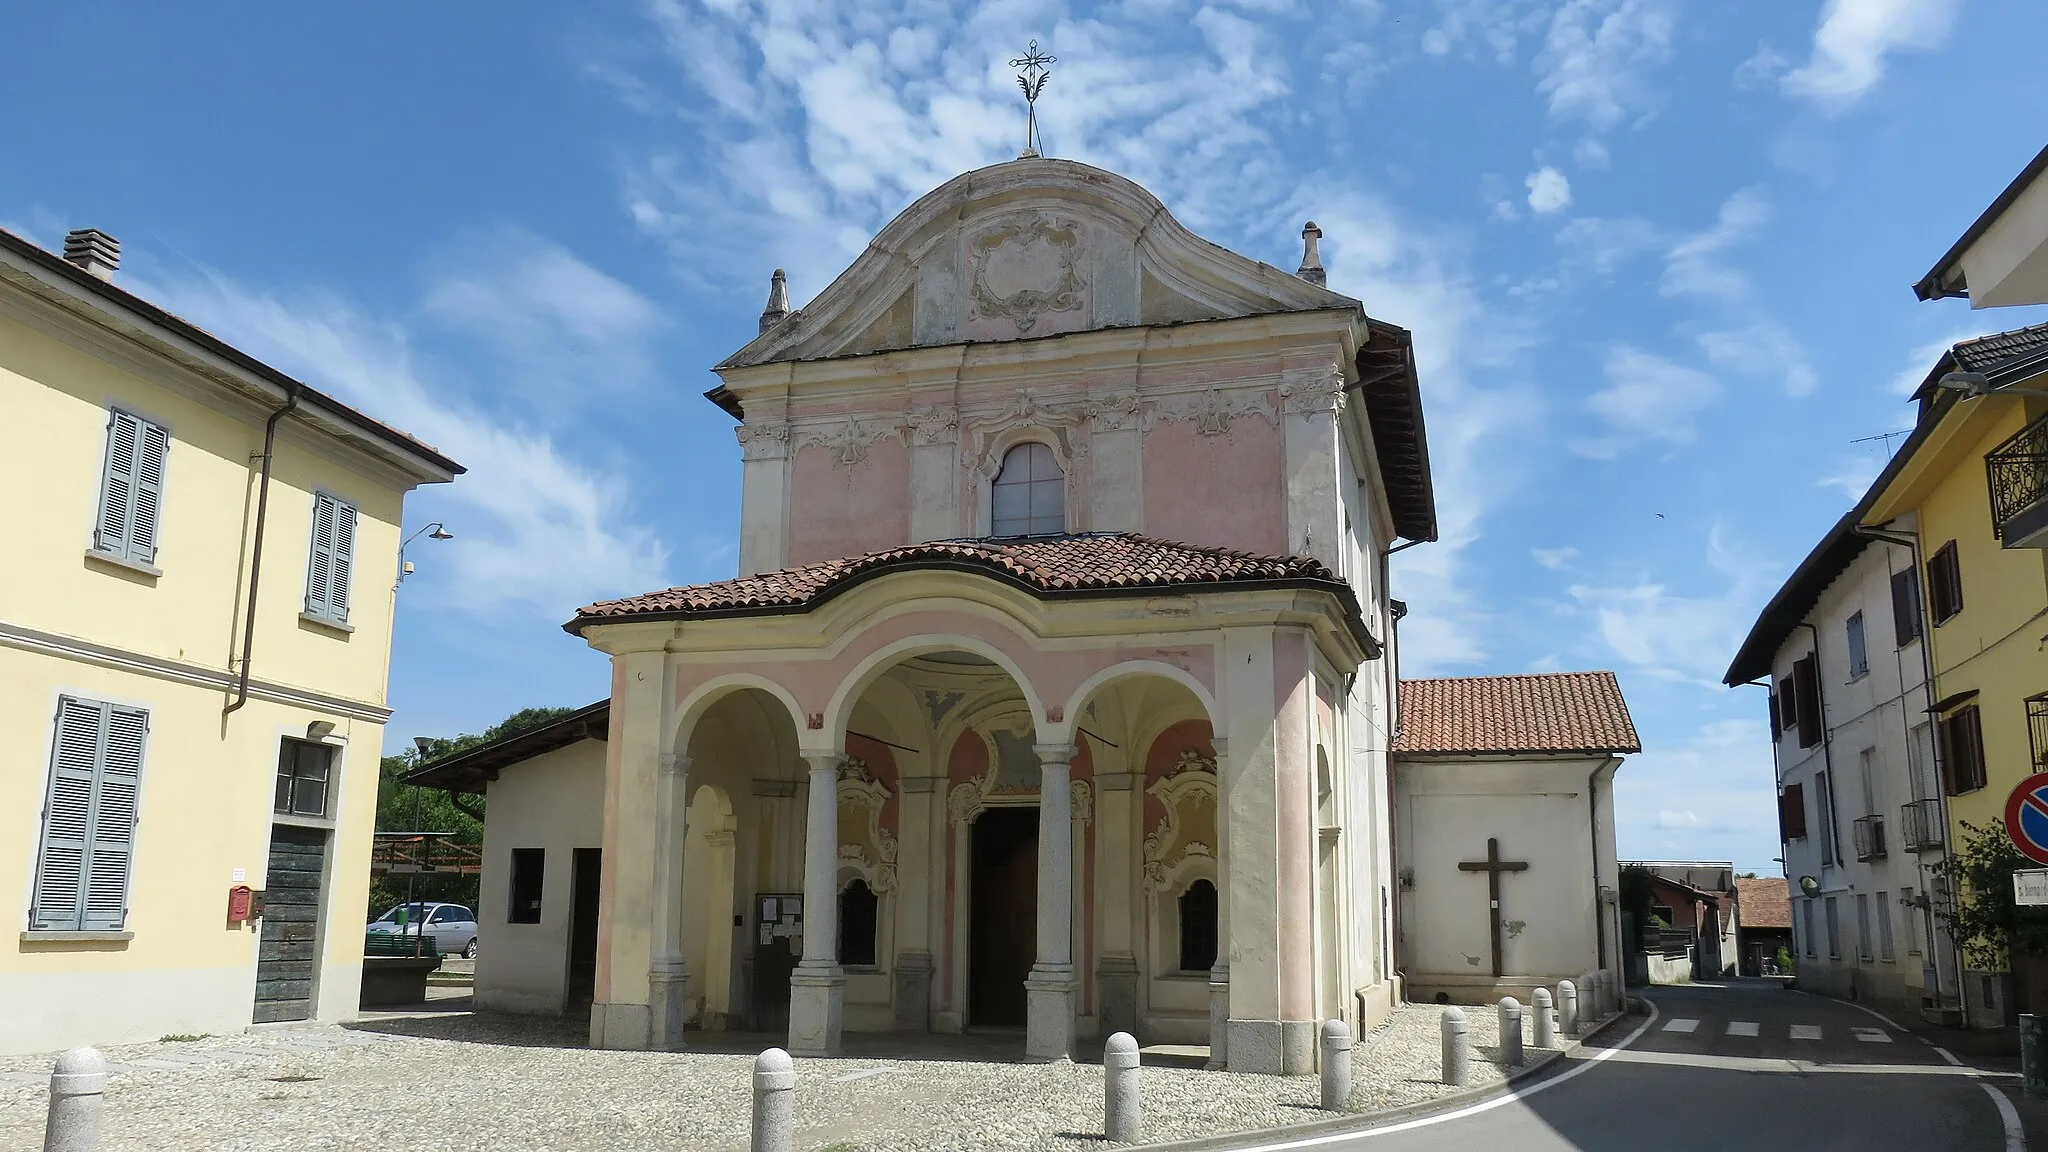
(310, 797)
(314, 759)
(283, 801)
(1012, 501)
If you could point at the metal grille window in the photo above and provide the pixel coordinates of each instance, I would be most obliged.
(89, 817)
(303, 771)
(1029, 497)
(2037, 730)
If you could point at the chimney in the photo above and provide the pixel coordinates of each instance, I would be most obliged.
(1311, 268)
(778, 301)
(94, 251)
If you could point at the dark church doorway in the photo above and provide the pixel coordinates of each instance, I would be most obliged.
(585, 872)
(1002, 914)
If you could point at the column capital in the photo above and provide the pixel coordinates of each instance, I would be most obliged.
(1221, 745)
(674, 764)
(825, 761)
(1054, 753)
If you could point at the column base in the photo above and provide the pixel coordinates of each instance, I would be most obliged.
(913, 1007)
(1116, 991)
(1049, 1019)
(817, 1006)
(1219, 1019)
(1273, 1047)
(618, 1027)
(665, 1010)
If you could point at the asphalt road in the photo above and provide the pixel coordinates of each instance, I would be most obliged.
(1720, 1069)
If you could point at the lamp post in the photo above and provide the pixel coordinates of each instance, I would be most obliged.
(422, 743)
(434, 531)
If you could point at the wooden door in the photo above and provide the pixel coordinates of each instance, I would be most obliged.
(1002, 915)
(287, 955)
(586, 866)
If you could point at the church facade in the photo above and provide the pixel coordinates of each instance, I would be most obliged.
(1056, 689)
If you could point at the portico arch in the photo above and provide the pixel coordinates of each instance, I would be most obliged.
(864, 673)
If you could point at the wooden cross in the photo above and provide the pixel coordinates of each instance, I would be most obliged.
(1493, 866)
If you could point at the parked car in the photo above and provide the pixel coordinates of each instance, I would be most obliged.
(451, 926)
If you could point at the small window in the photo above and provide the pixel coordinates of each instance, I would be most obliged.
(1885, 944)
(1906, 606)
(1664, 914)
(528, 866)
(1834, 918)
(1944, 584)
(332, 565)
(1788, 704)
(1962, 751)
(1806, 675)
(858, 919)
(1029, 497)
(1792, 813)
(1824, 800)
(303, 769)
(1859, 654)
(1863, 927)
(1806, 923)
(1198, 927)
(131, 488)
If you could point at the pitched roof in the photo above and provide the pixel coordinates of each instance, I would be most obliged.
(1766, 902)
(472, 768)
(1079, 566)
(1541, 712)
(1946, 277)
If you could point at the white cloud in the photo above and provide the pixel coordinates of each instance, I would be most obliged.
(1604, 244)
(1922, 359)
(1853, 39)
(1673, 635)
(1549, 191)
(1598, 59)
(1695, 265)
(1709, 794)
(1765, 348)
(1764, 67)
(1555, 559)
(1647, 397)
(1852, 476)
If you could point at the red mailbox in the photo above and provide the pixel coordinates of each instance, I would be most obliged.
(241, 903)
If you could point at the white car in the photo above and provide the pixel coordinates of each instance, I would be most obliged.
(452, 926)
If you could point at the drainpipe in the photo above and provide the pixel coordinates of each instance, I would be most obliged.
(1593, 825)
(256, 548)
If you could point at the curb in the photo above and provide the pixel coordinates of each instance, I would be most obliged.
(1366, 1121)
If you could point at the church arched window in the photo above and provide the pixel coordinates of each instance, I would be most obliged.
(1198, 927)
(857, 919)
(1029, 497)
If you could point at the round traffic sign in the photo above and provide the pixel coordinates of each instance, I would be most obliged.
(2026, 817)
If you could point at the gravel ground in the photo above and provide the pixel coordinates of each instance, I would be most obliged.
(487, 1081)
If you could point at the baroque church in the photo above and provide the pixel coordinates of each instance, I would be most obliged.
(1058, 687)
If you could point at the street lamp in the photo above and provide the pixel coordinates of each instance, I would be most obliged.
(1972, 384)
(434, 531)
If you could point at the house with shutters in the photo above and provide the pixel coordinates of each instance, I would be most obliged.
(195, 627)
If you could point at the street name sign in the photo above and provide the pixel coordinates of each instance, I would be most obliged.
(2030, 887)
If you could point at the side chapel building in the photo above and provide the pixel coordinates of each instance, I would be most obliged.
(1057, 688)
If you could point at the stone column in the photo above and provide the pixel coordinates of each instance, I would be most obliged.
(1219, 973)
(667, 974)
(913, 964)
(628, 897)
(1116, 968)
(817, 989)
(1049, 1027)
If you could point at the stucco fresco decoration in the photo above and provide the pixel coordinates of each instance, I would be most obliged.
(1025, 267)
(762, 441)
(1186, 834)
(993, 433)
(848, 437)
(865, 844)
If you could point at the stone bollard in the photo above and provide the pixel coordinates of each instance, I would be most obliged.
(774, 1102)
(78, 1094)
(1510, 1031)
(1567, 1008)
(1546, 1028)
(1457, 1049)
(1123, 1102)
(1336, 1066)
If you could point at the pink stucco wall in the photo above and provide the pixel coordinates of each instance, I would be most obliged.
(838, 510)
(1225, 491)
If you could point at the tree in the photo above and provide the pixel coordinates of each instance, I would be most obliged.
(401, 807)
(1634, 897)
(1982, 914)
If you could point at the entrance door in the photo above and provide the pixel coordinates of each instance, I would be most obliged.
(585, 867)
(1002, 915)
(287, 954)
(778, 930)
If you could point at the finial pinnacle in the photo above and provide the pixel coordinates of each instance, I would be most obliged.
(778, 301)
(1311, 268)
(1031, 79)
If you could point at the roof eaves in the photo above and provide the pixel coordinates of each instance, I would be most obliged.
(1938, 283)
(471, 768)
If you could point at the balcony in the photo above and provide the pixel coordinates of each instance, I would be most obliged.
(1870, 838)
(1920, 826)
(2017, 471)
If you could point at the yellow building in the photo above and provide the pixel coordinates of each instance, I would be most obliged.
(195, 630)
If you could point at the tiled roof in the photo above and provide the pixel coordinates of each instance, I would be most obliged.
(1984, 352)
(1766, 902)
(1546, 712)
(1099, 564)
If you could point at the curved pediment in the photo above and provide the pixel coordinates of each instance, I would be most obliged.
(1023, 249)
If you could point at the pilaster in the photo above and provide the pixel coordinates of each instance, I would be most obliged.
(627, 944)
(1116, 970)
(817, 989)
(1050, 989)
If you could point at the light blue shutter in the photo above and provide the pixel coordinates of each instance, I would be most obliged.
(67, 815)
(151, 445)
(114, 812)
(320, 569)
(117, 486)
(344, 559)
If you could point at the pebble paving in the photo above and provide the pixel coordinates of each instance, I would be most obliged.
(488, 1081)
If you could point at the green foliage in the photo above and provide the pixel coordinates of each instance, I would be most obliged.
(404, 808)
(1786, 964)
(1983, 914)
(1633, 892)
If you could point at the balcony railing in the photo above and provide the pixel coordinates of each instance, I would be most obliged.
(2017, 472)
(1869, 837)
(2037, 730)
(1920, 825)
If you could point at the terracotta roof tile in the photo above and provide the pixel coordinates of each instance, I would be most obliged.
(1766, 902)
(1548, 712)
(1981, 353)
(1102, 562)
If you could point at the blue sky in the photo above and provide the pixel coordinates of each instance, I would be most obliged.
(1655, 255)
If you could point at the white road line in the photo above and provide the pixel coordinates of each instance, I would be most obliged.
(1872, 1035)
(1806, 1031)
(1742, 1028)
(2015, 1135)
(1681, 1024)
(1801, 1067)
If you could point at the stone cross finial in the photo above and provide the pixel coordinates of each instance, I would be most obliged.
(778, 301)
(1311, 268)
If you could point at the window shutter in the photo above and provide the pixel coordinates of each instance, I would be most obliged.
(1906, 606)
(67, 816)
(1792, 813)
(114, 813)
(1944, 583)
(344, 558)
(151, 445)
(117, 485)
(1806, 674)
(1777, 725)
(320, 569)
(1788, 704)
(1970, 736)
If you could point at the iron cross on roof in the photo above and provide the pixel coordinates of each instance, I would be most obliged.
(1031, 79)
(1493, 866)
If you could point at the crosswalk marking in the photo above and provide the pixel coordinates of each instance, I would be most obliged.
(1806, 1031)
(1742, 1028)
(1681, 1024)
(1872, 1035)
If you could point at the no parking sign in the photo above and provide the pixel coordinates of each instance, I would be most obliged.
(2026, 817)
